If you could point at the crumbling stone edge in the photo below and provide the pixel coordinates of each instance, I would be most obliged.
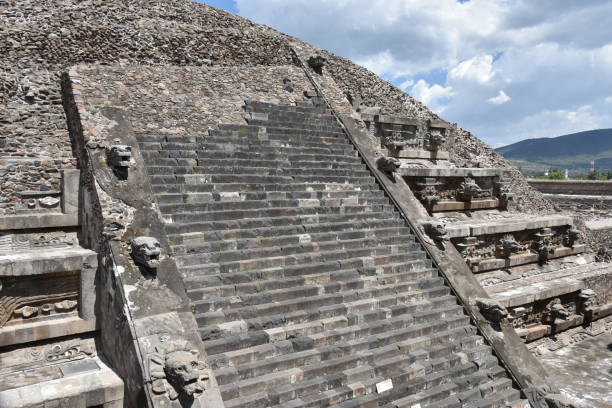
(135, 327)
(524, 369)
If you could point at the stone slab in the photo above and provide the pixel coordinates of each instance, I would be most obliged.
(45, 261)
(422, 154)
(466, 205)
(521, 259)
(68, 387)
(450, 172)
(45, 329)
(538, 291)
(506, 225)
(599, 225)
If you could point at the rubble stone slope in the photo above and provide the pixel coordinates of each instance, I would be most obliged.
(42, 38)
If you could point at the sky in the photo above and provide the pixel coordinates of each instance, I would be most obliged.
(506, 70)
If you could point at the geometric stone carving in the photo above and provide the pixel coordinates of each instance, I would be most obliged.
(176, 370)
(456, 189)
(469, 190)
(436, 134)
(146, 252)
(427, 192)
(118, 157)
(26, 297)
(543, 245)
(505, 244)
(317, 62)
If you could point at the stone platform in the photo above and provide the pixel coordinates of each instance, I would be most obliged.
(583, 371)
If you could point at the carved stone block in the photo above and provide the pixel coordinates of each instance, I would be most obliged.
(317, 62)
(388, 164)
(146, 252)
(118, 157)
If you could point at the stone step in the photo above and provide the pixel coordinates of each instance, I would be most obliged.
(245, 133)
(273, 114)
(310, 223)
(194, 245)
(193, 266)
(303, 232)
(328, 330)
(262, 171)
(240, 163)
(243, 188)
(239, 300)
(341, 197)
(265, 107)
(273, 212)
(267, 140)
(277, 129)
(381, 357)
(260, 147)
(322, 391)
(258, 179)
(310, 355)
(250, 155)
(364, 298)
(199, 258)
(336, 277)
(322, 126)
(390, 264)
(262, 330)
(237, 205)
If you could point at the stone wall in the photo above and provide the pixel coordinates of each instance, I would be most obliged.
(189, 100)
(579, 187)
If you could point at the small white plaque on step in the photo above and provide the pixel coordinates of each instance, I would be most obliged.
(384, 386)
(417, 405)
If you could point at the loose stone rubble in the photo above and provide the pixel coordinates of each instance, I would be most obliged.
(200, 211)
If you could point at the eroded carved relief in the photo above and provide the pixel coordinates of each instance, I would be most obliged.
(146, 252)
(176, 370)
(445, 193)
(118, 157)
(436, 231)
(317, 62)
(491, 310)
(23, 298)
(427, 192)
(388, 164)
(24, 242)
(493, 251)
(39, 202)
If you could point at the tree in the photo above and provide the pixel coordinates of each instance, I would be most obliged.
(556, 174)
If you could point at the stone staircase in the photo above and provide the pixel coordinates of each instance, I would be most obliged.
(308, 287)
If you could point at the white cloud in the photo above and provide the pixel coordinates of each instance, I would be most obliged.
(408, 83)
(470, 59)
(432, 96)
(500, 99)
(477, 69)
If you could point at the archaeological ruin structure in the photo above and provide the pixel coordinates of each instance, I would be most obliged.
(198, 211)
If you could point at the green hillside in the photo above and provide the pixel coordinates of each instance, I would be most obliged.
(574, 151)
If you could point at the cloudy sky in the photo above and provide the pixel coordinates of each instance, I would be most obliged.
(506, 70)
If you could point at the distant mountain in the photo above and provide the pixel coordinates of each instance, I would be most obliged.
(573, 151)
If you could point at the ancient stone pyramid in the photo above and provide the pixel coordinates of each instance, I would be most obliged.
(201, 211)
